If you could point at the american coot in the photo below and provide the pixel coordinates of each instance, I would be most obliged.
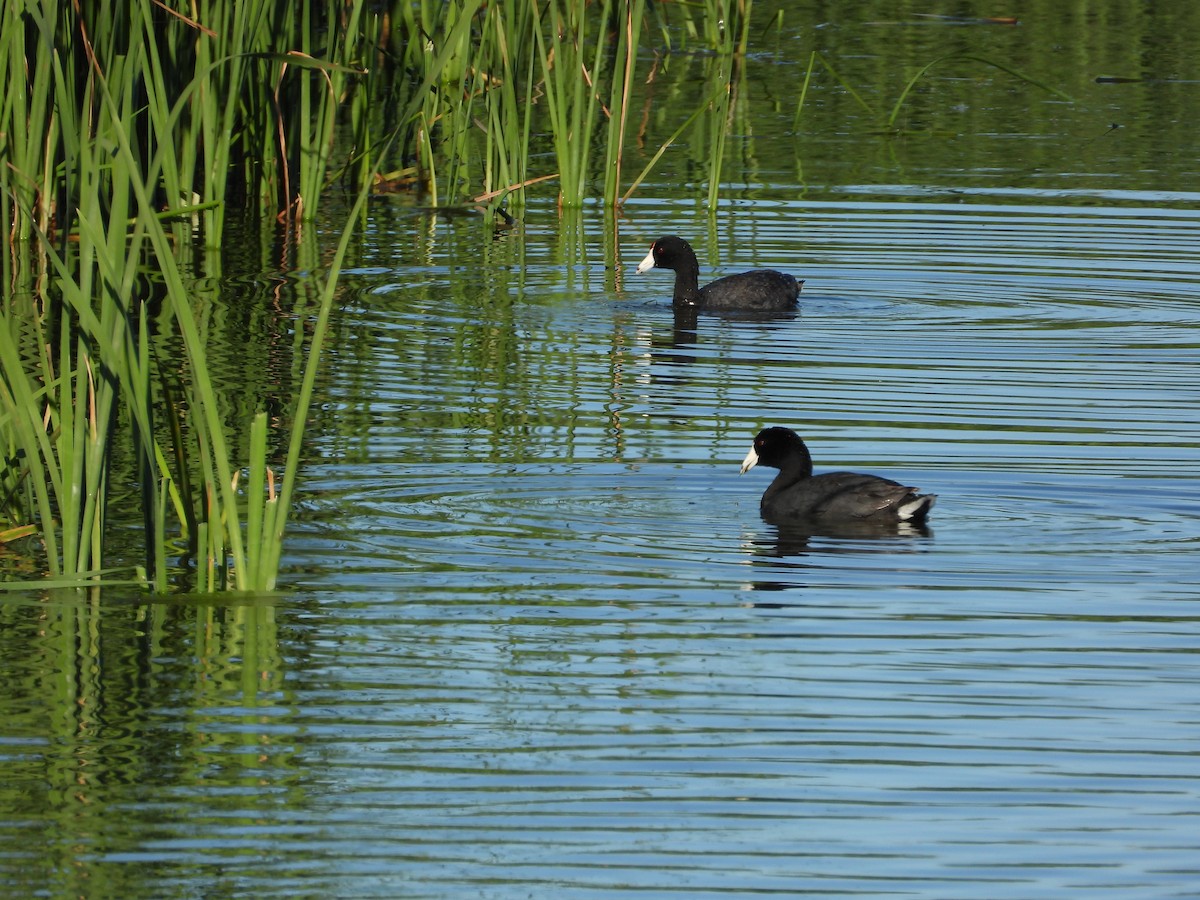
(842, 497)
(763, 290)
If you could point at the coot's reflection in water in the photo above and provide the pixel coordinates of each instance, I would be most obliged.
(780, 541)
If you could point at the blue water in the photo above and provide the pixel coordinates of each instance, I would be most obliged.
(564, 654)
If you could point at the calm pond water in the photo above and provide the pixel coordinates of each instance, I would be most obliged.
(536, 640)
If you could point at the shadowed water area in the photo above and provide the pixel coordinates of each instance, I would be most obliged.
(535, 638)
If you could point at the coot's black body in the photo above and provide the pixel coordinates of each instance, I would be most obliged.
(845, 498)
(762, 290)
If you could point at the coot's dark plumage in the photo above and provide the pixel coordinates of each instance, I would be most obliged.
(844, 497)
(762, 290)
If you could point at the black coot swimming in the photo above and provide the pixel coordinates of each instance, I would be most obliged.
(762, 290)
(797, 494)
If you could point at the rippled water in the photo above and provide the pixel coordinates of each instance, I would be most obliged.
(536, 639)
(564, 654)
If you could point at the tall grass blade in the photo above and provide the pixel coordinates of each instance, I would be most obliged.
(629, 28)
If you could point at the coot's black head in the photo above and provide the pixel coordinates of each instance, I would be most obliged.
(777, 447)
(669, 252)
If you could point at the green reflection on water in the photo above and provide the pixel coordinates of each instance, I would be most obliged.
(129, 726)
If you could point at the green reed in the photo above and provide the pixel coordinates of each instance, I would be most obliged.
(130, 138)
(505, 89)
(59, 420)
(133, 125)
(719, 25)
(629, 26)
(727, 25)
(482, 88)
(571, 69)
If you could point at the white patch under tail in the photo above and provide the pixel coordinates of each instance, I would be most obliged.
(918, 507)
